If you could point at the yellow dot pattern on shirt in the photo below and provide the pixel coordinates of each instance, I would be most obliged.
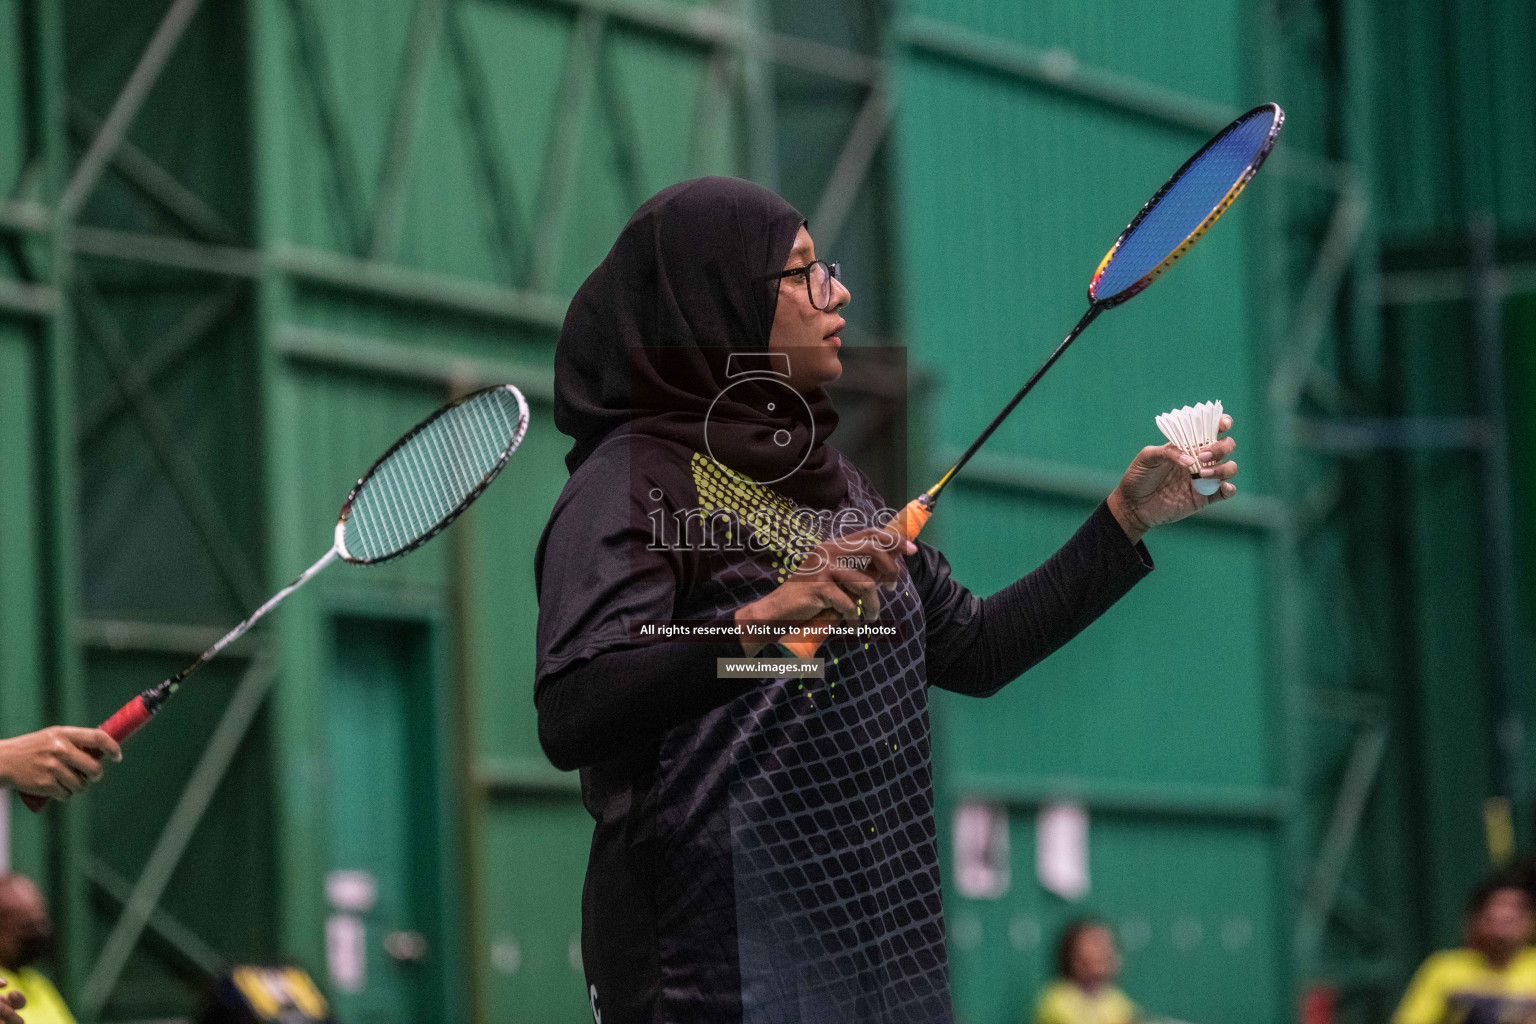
(769, 513)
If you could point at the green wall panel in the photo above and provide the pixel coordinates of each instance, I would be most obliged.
(22, 703)
(1013, 197)
(1192, 908)
(1451, 73)
(535, 855)
(1135, 697)
(502, 534)
(222, 886)
(1011, 194)
(1194, 48)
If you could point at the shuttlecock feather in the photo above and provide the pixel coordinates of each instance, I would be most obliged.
(1194, 429)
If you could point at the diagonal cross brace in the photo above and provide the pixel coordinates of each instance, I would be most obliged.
(410, 93)
(198, 793)
(852, 166)
(1343, 826)
(156, 55)
(177, 465)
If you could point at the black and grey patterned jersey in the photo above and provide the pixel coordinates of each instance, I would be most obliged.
(774, 860)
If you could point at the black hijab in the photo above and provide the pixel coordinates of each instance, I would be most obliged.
(658, 337)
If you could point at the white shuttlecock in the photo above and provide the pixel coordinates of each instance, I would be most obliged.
(1194, 429)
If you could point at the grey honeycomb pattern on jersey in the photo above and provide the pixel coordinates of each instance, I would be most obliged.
(808, 807)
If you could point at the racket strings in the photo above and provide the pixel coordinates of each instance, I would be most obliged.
(1176, 218)
(428, 479)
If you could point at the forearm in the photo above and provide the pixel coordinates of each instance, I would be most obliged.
(612, 704)
(1019, 626)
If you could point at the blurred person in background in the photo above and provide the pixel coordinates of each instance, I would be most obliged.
(1492, 979)
(26, 936)
(56, 762)
(1084, 991)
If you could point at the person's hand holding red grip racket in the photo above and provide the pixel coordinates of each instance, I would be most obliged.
(57, 762)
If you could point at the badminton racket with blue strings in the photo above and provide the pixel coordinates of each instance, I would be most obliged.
(423, 483)
(1177, 217)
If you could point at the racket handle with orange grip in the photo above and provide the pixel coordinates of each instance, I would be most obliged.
(128, 719)
(804, 642)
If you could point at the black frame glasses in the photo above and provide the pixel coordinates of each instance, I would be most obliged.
(834, 273)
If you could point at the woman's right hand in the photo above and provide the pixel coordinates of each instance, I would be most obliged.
(841, 580)
(56, 762)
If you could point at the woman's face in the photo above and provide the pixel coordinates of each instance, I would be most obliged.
(809, 336)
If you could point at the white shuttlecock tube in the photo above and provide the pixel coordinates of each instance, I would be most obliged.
(1193, 429)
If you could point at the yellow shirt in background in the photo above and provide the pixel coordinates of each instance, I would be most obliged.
(1065, 1003)
(1461, 985)
(44, 1004)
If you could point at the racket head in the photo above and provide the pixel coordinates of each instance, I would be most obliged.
(1184, 209)
(431, 475)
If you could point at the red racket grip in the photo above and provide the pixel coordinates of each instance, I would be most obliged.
(909, 522)
(129, 719)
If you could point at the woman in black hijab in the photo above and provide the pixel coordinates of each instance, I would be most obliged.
(764, 848)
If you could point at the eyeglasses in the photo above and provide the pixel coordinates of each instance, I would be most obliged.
(818, 280)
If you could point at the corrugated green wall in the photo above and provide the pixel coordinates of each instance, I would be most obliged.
(333, 215)
(1164, 719)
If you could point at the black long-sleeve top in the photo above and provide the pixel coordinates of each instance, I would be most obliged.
(975, 646)
(764, 850)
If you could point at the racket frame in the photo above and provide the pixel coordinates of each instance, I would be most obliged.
(1211, 218)
(469, 499)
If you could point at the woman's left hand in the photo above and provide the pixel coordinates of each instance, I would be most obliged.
(1156, 489)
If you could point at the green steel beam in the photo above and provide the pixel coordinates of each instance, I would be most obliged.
(419, 288)
(1058, 71)
(186, 942)
(562, 157)
(190, 808)
(501, 778)
(1322, 888)
(126, 107)
(1360, 436)
(165, 251)
(1288, 669)
(31, 300)
(167, 352)
(176, 463)
(69, 823)
(124, 635)
(1076, 483)
(1320, 297)
(1500, 594)
(625, 134)
(25, 217)
(159, 185)
(346, 183)
(757, 80)
(410, 92)
(1449, 284)
(1257, 805)
(409, 362)
(852, 167)
(710, 26)
(709, 120)
(496, 182)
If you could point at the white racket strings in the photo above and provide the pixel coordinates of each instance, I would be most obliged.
(425, 482)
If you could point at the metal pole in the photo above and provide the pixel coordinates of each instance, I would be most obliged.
(1498, 528)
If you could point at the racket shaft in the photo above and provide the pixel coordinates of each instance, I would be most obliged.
(997, 421)
(132, 716)
(909, 522)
